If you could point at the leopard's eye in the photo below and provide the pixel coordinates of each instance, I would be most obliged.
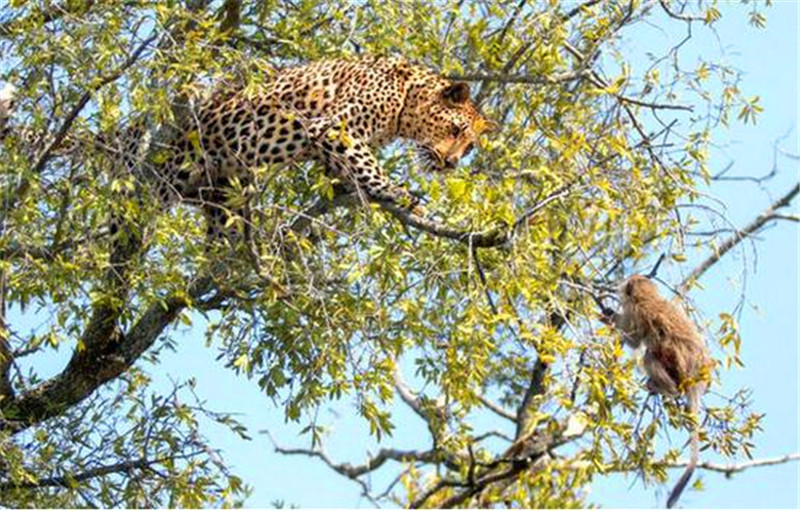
(455, 130)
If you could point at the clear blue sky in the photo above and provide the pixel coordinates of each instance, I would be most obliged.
(770, 332)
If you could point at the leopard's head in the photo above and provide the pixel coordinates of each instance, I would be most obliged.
(444, 122)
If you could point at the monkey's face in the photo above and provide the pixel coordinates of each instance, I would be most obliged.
(636, 288)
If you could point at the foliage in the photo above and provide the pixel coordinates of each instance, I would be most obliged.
(606, 153)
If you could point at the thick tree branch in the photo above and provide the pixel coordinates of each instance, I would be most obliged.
(535, 388)
(106, 354)
(103, 350)
(6, 357)
(231, 13)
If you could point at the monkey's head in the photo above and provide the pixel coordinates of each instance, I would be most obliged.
(636, 288)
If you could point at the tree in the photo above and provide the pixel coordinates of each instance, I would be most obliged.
(489, 304)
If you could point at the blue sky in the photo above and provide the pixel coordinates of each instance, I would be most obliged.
(769, 322)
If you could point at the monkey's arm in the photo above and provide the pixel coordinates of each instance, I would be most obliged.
(632, 341)
(619, 321)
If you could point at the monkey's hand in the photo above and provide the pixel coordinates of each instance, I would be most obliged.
(607, 314)
(608, 317)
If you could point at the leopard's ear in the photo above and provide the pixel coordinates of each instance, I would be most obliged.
(456, 93)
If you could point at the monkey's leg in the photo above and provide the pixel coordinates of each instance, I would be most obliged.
(660, 381)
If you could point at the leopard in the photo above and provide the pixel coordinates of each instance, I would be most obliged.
(338, 112)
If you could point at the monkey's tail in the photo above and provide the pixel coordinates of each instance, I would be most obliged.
(694, 442)
(676, 492)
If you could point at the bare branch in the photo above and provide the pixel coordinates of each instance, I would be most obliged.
(497, 409)
(672, 14)
(578, 9)
(733, 468)
(654, 106)
(748, 230)
(355, 471)
(727, 469)
(432, 411)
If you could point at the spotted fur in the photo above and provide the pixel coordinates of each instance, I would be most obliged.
(337, 112)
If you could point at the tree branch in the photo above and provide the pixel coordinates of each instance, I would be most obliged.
(493, 237)
(748, 230)
(106, 354)
(48, 14)
(84, 100)
(355, 471)
(103, 351)
(68, 481)
(733, 468)
(678, 16)
(497, 409)
(654, 106)
(516, 78)
(727, 469)
(534, 389)
(6, 358)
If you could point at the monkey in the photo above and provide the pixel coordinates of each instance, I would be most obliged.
(676, 358)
